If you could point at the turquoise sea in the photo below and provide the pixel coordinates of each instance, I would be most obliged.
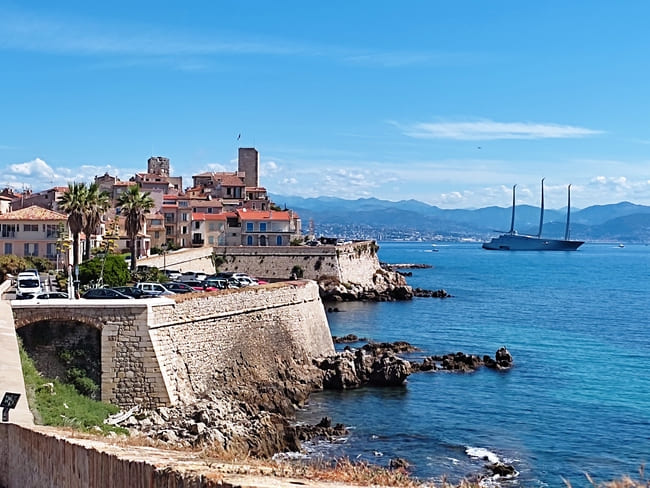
(577, 400)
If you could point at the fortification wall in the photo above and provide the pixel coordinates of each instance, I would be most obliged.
(246, 335)
(197, 259)
(155, 352)
(350, 263)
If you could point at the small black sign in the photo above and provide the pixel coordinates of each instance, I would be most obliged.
(10, 400)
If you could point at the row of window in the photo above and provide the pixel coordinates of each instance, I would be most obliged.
(32, 249)
(10, 230)
(264, 241)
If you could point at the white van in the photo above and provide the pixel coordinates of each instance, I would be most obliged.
(27, 286)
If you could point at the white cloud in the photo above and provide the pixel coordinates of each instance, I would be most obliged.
(289, 181)
(36, 168)
(491, 130)
(39, 175)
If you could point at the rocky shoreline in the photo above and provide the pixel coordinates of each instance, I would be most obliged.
(258, 420)
(388, 284)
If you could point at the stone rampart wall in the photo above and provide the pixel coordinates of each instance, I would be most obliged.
(245, 335)
(197, 259)
(350, 263)
(155, 352)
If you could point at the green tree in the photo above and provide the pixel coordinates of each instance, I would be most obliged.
(133, 206)
(96, 205)
(73, 203)
(11, 264)
(115, 270)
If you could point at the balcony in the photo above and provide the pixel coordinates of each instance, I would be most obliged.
(198, 241)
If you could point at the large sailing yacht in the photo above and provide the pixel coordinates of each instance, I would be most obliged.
(511, 241)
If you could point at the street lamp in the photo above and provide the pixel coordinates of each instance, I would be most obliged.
(164, 253)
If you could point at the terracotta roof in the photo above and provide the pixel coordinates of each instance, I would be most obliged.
(2, 197)
(34, 213)
(265, 215)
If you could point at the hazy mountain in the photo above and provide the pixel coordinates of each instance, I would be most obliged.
(372, 217)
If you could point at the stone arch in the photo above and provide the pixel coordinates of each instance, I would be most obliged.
(23, 318)
(69, 350)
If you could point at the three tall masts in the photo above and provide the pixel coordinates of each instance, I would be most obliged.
(541, 214)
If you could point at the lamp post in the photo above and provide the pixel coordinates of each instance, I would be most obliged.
(164, 253)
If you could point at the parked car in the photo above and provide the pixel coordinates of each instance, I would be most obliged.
(217, 283)
(32, 271)
(193, 275)
(98, 293)
(246, 281)
(172, 274)
(195, 284)
(27, 286)
(131, 291)
(179, 287)
(51, 295)
(154, 288)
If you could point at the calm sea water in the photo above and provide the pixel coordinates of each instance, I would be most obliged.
(577, 400)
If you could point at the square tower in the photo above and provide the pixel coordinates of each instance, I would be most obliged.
(158, 165)
(249, 163)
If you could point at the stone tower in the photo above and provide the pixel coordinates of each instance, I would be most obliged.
(158, 165)
(249, 163)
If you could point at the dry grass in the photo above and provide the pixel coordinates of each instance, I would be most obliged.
(219, 463)
(624, 482)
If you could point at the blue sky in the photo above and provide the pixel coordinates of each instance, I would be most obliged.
(450, 103)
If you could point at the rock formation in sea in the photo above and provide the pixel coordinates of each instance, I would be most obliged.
(462, 362)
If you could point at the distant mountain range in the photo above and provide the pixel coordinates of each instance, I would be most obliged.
(409, 219)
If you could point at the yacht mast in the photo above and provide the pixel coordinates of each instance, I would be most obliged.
(541, 212)
(568, 214)
(512, 222)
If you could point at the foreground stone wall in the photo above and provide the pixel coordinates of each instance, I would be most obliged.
(40, 457)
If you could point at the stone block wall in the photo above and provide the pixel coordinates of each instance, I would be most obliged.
(248, 334)
(350, 263)
(158, 351)
(37, 457)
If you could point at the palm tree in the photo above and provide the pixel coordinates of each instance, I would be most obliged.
(133, 205)
(73, 202)
(97, 203)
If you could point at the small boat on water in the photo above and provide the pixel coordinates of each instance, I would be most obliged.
(511, 241)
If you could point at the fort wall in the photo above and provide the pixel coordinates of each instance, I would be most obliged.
(354, 263)
(156, 352)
